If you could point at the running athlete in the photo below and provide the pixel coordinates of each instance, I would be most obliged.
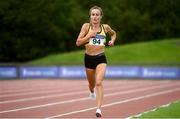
(93, 37)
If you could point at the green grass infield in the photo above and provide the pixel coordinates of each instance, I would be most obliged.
(160, 52)
(167, 112)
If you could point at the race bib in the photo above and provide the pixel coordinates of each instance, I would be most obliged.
(97, 40)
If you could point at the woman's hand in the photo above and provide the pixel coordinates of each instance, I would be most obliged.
(111, 43)
(91, 33)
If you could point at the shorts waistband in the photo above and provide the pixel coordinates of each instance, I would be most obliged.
(100, 54)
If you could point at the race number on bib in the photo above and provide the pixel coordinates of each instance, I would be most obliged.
(97, 40)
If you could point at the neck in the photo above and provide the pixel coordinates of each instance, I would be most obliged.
(95, 25)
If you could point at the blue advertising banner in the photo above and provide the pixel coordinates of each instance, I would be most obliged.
(72, 72)
(38, 72)
(160, 72)
(79, 72)
(8, 72)
(122, 72)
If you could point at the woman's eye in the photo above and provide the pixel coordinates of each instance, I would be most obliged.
(95, 14)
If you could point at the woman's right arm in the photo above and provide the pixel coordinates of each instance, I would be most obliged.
(84, 35)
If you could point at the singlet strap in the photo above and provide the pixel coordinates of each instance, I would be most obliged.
(88, 30)
(102, 31)
(103, 28)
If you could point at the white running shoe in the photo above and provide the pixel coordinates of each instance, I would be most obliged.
(93, 95)
(98, 113)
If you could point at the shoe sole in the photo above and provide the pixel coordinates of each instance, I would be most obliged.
(98, 115)
(92, 98)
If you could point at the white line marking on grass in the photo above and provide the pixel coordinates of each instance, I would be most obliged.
(82, 99)
(152, 110)
(115, 103)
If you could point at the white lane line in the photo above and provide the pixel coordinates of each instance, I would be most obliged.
(40, 91)
(64, 94)
(82, 99)
(26, 87)
(42, 87)
(52, 96)
(60, 95)
(4, 91)
(116, 103)
(43, 97)
(29, 93)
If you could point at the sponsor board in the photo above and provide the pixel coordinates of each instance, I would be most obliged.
(79, 72)
(8, 72)
(38, 72)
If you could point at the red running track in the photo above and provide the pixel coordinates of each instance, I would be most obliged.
(50, 98)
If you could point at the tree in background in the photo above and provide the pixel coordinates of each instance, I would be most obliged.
(34, 28)
(30, 29)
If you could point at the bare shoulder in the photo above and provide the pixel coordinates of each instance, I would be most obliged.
(85, 26)
(105, 25)
(84, 30)
(107, 28)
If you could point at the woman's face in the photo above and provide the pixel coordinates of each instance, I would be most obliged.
(95, 16)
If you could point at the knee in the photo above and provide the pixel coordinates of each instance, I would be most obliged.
(98, 83)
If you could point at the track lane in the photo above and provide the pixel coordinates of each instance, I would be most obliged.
(53, 110)
(26, 102)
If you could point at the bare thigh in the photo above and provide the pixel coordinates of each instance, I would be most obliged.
(100, 73)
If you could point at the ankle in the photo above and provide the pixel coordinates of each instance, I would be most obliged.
(92, 90)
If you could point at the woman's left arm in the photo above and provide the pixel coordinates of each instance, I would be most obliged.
(112, 33)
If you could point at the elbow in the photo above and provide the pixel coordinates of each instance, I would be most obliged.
(77, 43)
(114, 33)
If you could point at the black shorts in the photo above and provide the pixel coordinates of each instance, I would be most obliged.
(91, 62)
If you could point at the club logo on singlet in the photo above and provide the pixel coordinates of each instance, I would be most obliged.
(97, 40)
